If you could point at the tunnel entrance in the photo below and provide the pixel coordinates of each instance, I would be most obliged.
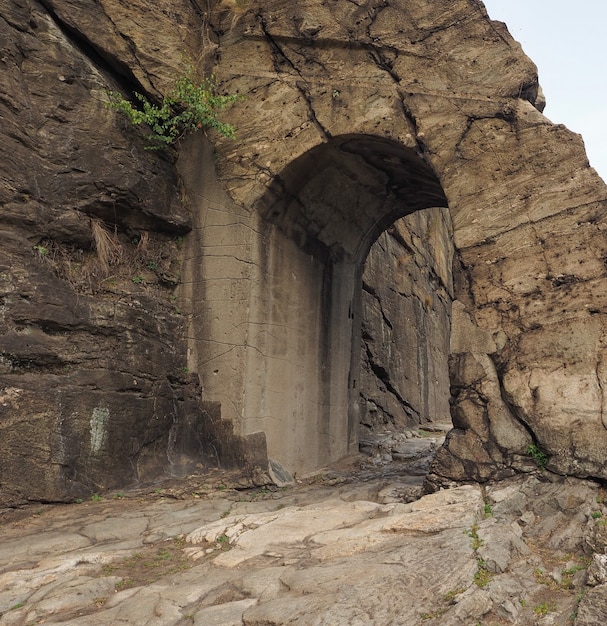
(407, 293)
(320, 218)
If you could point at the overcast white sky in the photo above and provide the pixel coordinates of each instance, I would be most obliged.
(568, 43)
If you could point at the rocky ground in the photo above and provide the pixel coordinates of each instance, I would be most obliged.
(354, 545)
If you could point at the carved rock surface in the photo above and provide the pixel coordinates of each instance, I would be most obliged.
(93, 389)
(334, 554)
(527, 211)
(407, 293)
(354, 115)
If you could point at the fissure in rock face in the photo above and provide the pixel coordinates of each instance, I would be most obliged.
(406, 320)
(204, 304)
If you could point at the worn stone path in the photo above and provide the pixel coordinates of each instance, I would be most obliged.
(340, 549)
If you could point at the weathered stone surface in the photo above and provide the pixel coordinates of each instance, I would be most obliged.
(597, 570)
(406, 302)
(307, 555)
(92, 353)
(515, 184)
(354, 116)
(593, 607)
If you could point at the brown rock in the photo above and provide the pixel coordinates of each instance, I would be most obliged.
(355, 115)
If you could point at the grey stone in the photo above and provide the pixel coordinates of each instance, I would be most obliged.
(597, 570)
(593, 607)
(279, 475)
(229, 614)
(316, 555)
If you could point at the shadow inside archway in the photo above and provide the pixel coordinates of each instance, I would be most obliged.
(321, 216)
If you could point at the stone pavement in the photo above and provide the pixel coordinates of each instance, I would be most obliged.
(339, 549)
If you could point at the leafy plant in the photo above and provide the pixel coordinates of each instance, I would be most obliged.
(543, 609)
(483, 576)
(538, 455)
(477, 542)
(189, 106)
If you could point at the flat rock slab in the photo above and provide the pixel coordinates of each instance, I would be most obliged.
(311, 555)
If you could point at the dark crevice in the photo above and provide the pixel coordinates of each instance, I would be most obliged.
(384, 57)
(280, 58)
(202, 14)
(400, 240)
(382, 374)
(107, 64)
(442, 28)
(327, 43)
(409, 410)
(369, 289)
(380, 58)
(512, 409)
(422, 149)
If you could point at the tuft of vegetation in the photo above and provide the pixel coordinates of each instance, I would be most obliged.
(150, 564)
(543, 609)
(476, 542)
(538, 455)
(483, 576)
(189, 106)
(451, 595)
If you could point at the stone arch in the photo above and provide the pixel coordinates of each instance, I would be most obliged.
(300, 352)
(526, 210)
(332, 202)
(336, 198)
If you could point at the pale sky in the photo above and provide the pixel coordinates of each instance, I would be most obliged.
(568, 43)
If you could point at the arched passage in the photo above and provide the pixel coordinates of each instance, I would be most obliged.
(320, 217)
(407, 295)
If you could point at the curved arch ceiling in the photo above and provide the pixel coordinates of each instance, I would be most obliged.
(337, 198)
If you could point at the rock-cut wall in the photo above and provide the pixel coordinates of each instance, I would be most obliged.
(94, 387)
(407, 290)
(444, 81)
(203, 305)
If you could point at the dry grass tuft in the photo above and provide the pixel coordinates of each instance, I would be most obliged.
(144, 241)
(236, 8)
(107, 246)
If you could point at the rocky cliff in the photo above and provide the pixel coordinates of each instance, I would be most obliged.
(406, 319)
(191, 306)
(94, 385)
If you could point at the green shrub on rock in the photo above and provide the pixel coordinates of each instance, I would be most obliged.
(189, 106)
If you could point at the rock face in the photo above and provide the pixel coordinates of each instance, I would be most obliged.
(94, 389)
(455, 91)
(515, 553)
(406, 321)
(240, 262)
